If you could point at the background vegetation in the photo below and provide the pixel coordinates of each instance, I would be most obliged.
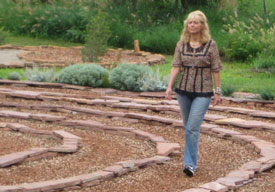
(243, 29)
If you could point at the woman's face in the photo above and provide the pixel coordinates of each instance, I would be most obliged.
(194, 26)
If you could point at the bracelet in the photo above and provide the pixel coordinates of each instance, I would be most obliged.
(218, 91)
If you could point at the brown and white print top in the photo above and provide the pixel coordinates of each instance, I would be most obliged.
(197, 65)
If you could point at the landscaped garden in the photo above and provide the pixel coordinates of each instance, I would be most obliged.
(82, 104)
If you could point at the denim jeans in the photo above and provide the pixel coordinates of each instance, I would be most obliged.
(193, 110)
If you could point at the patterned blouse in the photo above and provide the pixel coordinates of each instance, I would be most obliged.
(196, 67)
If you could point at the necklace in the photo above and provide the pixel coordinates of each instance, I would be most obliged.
(195, 44)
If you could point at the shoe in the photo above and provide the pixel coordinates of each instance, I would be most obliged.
(189, 171)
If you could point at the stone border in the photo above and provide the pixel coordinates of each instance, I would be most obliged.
(150, 59)
(233, 180)
(70, 144)
(104, 91)
(141, 104)
(164, 148)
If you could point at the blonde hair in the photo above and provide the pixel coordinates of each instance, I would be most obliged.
(205, 34)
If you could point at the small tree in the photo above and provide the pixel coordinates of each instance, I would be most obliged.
(97, 37)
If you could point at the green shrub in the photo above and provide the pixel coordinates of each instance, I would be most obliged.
(97, 38)
(41, 75)
(55, 19)
(136, 77)
(264, 62)
(160, 39)
(228, 90)
(14, 76)
(267, 94)
(3, 36)
(245, 40)
(153, 82)
(92, 75)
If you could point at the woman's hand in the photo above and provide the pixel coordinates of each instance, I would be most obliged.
(217, 99)
(168, 93)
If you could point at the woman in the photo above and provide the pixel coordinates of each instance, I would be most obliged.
(197, 59)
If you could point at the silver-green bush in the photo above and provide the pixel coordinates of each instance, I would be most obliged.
(41, 75)
(134, 77)
(92, 75)
(14, 76)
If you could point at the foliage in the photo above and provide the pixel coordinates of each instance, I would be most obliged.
(84, 75)
(153, 82)
(3, 36)
(41, 75)
(247, 40)
(97, 37)
(228, 90)
(267, 94)
(264, 63)
(136, 77)
(63, 19)
(14, 76)
(160, 39)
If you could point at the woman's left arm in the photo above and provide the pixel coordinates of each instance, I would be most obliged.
(217, 92)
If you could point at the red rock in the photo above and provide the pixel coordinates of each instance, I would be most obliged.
(15, 114)
(46, 117)
(231, 182)
(66, 135)
(225, 132)
(144, 162)
(197, 190)
(139, 116)
(122, 99)
(116, 169)
(214, 187)
(25, 94)
(164, 149)
(252, 166)
(242, 174)
(10, 189)
(246, 138)
(51, 185)
(87, 123)
(130, 106)
(213, 117)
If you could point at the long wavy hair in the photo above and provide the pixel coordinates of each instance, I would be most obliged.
(205, 33)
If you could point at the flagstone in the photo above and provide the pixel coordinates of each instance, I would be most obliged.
(66, 135)
(213, 117)
(83, 123)
(10, 189)
(239, 110)
(138, 116)
(225, 132)
(46, 117)
(248, 124)
(214, 187)
(228, 121)
(131, 105)
(231, 182)
(246, 138)
(15, 114)
(245, 174)
(25, 94)
(252, 166)
(217, 108)
(164, 149)
(122, 99)
(197, 190)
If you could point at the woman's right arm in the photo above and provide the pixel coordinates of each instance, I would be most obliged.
(173, 75)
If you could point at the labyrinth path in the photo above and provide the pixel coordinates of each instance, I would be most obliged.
(57, 137)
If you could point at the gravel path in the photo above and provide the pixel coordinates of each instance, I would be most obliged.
(217, 157)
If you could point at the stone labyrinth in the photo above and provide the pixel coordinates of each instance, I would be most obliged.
(57, 137)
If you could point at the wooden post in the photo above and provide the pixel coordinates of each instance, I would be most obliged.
(118, 55)
(137, 48)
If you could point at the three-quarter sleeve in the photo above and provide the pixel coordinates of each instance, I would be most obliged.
(215, 60)
(177, 56)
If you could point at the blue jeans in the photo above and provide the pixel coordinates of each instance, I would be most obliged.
(193, 110)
